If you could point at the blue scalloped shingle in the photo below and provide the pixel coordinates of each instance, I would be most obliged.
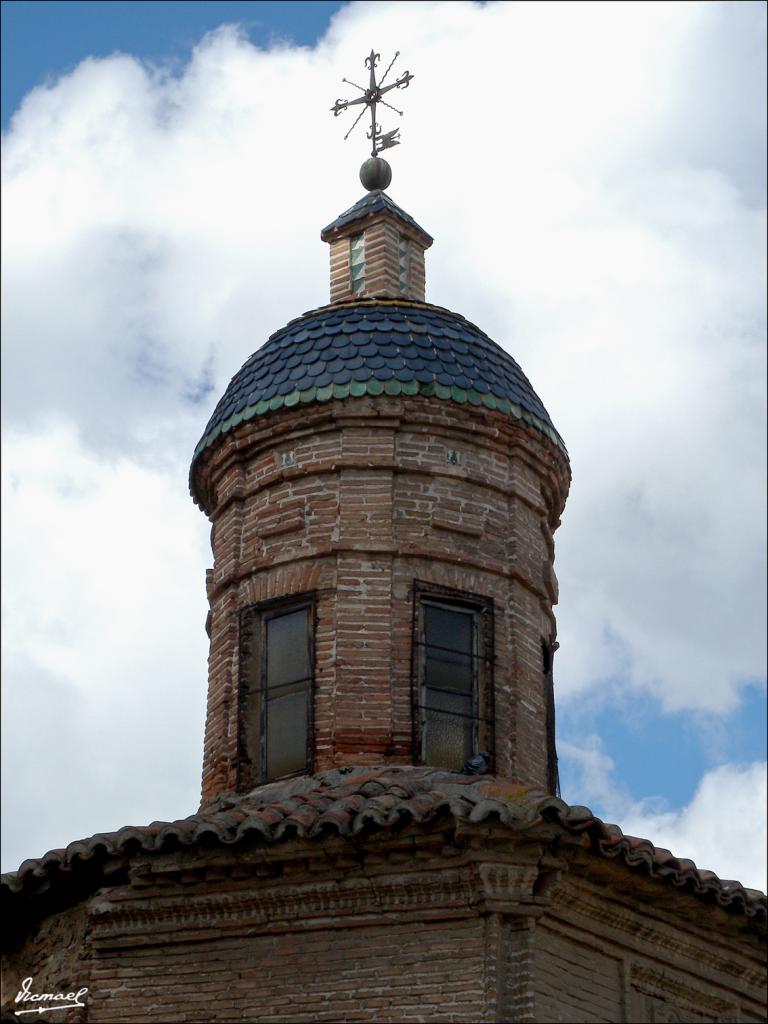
(389, 341)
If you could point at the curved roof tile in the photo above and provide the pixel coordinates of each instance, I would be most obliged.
(348, 801)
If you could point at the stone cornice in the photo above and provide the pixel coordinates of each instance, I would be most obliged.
(331, 889)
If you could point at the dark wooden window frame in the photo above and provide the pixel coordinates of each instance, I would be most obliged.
(482, 610)
(548, 648)
(252, 707)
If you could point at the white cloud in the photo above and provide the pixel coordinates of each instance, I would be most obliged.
(724, 824)
(104, 654)
(592, 176)
(723, 828)
(594, 770)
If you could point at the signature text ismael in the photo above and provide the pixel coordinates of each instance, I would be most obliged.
(52, 1001)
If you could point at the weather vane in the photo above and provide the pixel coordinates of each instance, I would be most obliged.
(377, 170)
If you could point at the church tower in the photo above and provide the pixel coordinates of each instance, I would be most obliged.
(380, 836)
(384, 485)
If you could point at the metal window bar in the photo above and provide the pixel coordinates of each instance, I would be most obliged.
(452, 650)
(472, 658)
(267, 690)
(281, 686)
(482, 658)
(456, 714)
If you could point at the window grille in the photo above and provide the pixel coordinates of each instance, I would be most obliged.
(276, 676)
(454, 659)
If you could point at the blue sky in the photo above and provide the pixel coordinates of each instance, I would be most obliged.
(45, 38)
(662, 756)
(612, 240)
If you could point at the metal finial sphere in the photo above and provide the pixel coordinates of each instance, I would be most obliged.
(375, 173)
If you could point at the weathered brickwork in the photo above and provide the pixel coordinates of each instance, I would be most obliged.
(382, 233)
(608, 955)
(516, 948)
(366, 973)
(576, 981)
(356, 502)
(55, 953)
(405, 925)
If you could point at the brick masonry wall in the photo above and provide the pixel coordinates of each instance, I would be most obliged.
(576, 981)
(367, 973)
(416, 924)
(54, 953)
(366, 506)
(606, 952)
(341, 287)
(386, 928)
(382, 234)
(516, 950)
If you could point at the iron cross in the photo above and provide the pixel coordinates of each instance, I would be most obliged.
(371, 96)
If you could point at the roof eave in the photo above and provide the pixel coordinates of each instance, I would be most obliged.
(354, 227)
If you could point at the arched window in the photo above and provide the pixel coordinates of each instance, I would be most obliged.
(275, 689)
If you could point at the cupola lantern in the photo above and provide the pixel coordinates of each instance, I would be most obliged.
(377, 249)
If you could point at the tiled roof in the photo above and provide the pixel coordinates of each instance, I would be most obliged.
(372, 202)
(349, 801)
(374, 347)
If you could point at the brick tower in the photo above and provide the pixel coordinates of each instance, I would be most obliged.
(384, 485)
(380, 837)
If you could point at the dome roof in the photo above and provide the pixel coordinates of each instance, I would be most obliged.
(374, 347)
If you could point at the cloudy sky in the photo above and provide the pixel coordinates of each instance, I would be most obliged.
(594, 177)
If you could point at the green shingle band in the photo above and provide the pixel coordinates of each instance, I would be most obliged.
(375, 388)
